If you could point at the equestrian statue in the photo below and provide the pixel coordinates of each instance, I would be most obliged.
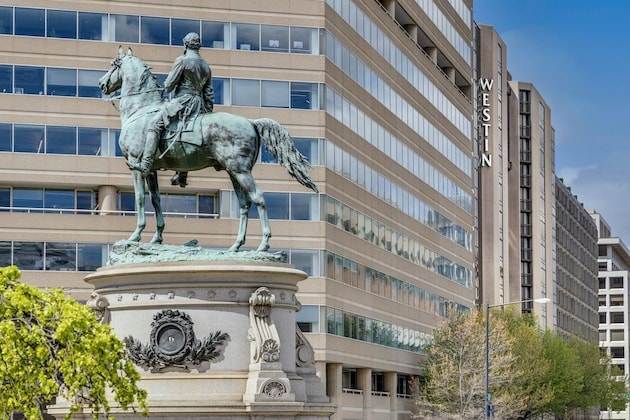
(184, 134)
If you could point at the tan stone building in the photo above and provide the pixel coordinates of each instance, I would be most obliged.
(377, 95)
(516, 186)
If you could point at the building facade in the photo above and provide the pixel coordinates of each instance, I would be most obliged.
(576, 268)
(613, 262)
(377, 95)
(515, 147)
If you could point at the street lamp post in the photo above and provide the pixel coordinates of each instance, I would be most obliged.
(488, 306)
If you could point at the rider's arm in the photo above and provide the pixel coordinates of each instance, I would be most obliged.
(172, 80)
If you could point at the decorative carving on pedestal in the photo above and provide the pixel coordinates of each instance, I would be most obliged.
(304, 353)
(99, 305)
(274, 389)
(262, 331)
(172, 343)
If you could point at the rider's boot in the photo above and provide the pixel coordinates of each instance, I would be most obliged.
(180, 179)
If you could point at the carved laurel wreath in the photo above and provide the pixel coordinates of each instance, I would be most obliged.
(172, 343)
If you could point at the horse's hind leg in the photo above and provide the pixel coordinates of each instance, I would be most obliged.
(154, 191)
(138, 189)
(252, 194)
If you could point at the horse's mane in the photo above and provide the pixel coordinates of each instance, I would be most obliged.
(146, 73)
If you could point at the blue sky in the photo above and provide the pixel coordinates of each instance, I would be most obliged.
(577, 54)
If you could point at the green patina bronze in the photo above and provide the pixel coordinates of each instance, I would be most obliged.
(220, 140)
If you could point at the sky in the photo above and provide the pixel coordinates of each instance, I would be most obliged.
(577, 55)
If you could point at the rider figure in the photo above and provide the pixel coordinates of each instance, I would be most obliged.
(190, 82)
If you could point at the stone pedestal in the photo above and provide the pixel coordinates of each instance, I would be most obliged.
(213, 339)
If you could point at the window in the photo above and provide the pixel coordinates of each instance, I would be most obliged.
(28, 255)
(28, 199)
(155, 30)
(124, 28)
(221, 91)
(245, 92)
(58, 199)
(90, 256)
(616, 317)
(207, 204)
(6, 138)
(88, 83)
(61, 256)
(5, 254)
(127, 202)
(304, 95)
(29, 80)
(602, 317)
(5, 201)
(181, 27)
(29, 22)
(275, 94)
(308, 318)
(616, 300)
(92, 26)
(179, 203)
(61, 140)
(6, 20)
(378, 382)
(246, 36)
(304, 40)
(277, 205)
(616, 335)
(274, 38)
(306, 260)
(349, 379)
(616, 282)
(90, 140)
(6, 79)
(61, 24)
(28, 138)
(616, 352)
(61, 82)
(303, 206)
(215, 35)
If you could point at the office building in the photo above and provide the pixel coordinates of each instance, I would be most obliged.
(576, 267)
(378, 96)
(613, 261)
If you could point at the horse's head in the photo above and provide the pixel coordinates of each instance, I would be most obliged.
(112, 80)
(129, 69)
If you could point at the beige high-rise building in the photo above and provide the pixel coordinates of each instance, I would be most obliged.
(516, 259)
(377, 95)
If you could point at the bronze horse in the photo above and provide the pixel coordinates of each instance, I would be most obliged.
(221, 140)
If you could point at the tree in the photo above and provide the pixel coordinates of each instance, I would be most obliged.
(534, 391)
(52, 345)
(533, 372)
(453, 382)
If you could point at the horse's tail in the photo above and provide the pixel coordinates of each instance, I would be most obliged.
(277, 140)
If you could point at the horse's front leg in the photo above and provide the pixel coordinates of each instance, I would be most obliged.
(154, 191)
(138, 189)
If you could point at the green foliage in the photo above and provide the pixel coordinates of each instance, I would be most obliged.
(454, 374)
(532, 372)
(52, 345)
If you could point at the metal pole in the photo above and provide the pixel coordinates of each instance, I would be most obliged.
(487, 406)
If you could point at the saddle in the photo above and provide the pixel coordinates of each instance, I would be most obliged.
(190, 132)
